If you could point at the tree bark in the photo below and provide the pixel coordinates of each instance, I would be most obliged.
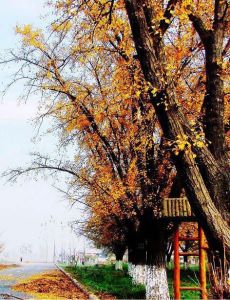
(157, 283)
(174, 124)
(213, 105)
(147, 258)
(138, 273)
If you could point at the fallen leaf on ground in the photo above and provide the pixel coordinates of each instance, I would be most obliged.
(50, 285)
(3, 266)
(7, 277)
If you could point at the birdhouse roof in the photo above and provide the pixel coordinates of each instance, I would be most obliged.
(177, 208)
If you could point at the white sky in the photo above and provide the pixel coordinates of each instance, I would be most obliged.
(31, 213)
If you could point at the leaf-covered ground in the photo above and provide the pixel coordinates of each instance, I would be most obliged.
(50, 285)
(6, 266)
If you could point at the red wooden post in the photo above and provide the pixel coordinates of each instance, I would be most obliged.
(202, 264)
(176, 281)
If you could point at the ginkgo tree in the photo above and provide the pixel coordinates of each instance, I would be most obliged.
(201, 141)
(172, 46)
(103, 105)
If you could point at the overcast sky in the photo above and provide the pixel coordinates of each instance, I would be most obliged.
(31, 213)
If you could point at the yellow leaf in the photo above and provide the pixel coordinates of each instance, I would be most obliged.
(154, 91)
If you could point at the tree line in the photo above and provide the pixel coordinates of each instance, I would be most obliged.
(140, 87)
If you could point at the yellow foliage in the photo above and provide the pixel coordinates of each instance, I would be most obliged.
(101, 75)
(60, 27)
(154, 91)
(181, 144)
(31, 37)
(199, 140)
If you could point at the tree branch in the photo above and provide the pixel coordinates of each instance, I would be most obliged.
(199, 26)
(168, 14)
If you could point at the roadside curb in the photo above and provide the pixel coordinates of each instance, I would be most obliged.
(79, 285)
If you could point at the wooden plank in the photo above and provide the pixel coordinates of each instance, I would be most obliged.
(176, 208)
(176, 274)
(166, 208)
(190, 288)
(202, 264)
(182, 207)
(185, 207)
(178, 213)
(170, 210)
(168, 205)
(189, 254)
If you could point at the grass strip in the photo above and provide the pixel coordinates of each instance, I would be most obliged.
(105, 279)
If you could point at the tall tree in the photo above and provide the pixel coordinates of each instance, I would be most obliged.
(205, 176)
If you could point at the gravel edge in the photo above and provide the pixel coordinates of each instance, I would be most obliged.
(79, 285)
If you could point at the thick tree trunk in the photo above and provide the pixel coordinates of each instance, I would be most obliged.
(217, 180)
(147, 259)
(213, 120)
(137, 258)
(156, 283)
(138, 273)
(153, 277)
(156, 275)
(119, 251)
(213, 105)
(174, 124)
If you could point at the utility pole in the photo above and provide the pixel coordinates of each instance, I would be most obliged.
(54, 253)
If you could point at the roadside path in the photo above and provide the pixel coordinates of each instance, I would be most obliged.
(10, 277)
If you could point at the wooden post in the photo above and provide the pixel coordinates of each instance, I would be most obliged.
(176, 274)
(202, 264)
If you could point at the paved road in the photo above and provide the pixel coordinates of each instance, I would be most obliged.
(9, 277)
